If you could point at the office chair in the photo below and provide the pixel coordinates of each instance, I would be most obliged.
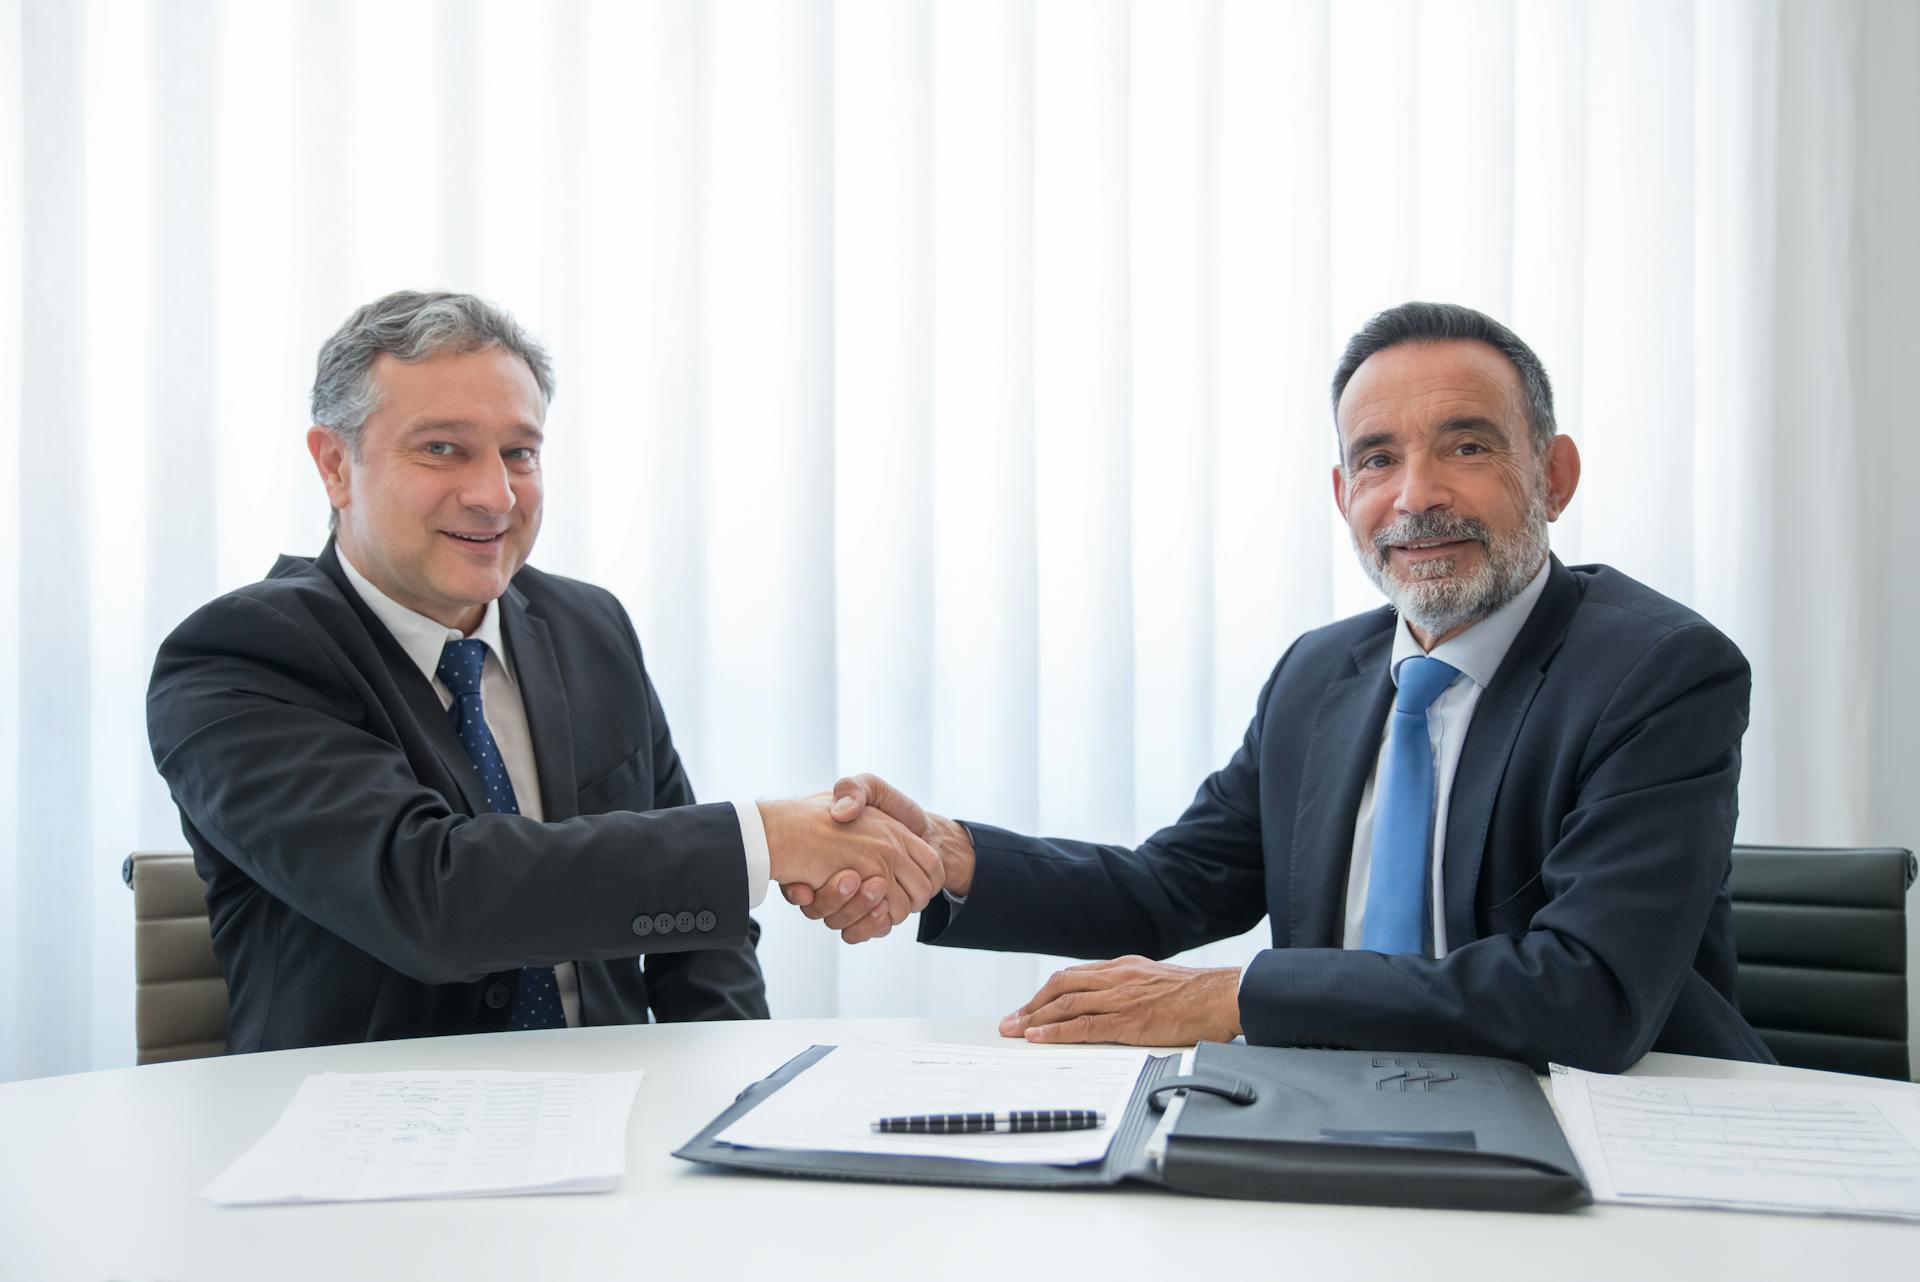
(1820, 938)
(180, 996)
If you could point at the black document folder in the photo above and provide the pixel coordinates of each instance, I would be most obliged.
(1270, 1123)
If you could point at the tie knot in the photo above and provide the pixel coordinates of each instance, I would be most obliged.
(460, 665)
(1421, 681)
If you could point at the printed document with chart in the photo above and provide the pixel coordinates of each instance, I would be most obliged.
(1836, 1149)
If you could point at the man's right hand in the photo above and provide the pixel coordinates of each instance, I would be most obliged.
(887, 871)
(857, 798)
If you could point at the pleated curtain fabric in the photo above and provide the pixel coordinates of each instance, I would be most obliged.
(942, 383)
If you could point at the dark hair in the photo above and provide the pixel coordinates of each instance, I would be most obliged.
(1445, 322)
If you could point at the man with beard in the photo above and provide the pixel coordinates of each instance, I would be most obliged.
(1494, 818)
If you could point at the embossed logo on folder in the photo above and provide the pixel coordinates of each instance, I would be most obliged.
(1407, 1073)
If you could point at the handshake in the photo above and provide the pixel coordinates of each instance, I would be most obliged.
(864, 857)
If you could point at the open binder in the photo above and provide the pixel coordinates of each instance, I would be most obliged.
(1270, 1123)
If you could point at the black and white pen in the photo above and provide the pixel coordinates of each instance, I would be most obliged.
(1025, 1119)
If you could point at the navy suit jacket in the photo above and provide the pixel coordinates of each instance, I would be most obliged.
(1588, 842)
(358, 887)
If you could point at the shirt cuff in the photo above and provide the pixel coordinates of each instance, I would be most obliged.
(753, 839)
(956, 902)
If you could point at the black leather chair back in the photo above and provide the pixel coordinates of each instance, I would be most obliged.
(1820, 935)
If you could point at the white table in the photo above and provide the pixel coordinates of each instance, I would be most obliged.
(100, 1175)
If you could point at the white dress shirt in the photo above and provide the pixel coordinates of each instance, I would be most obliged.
(1477, 653)
(423, 639)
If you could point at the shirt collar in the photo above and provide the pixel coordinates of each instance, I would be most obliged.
(1479, 650)
(422, 638)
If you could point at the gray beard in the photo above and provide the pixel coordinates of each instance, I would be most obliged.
(1435, 599)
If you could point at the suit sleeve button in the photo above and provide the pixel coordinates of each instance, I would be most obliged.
(705, 921)
(684, 922)
(663, 923)
(497, 995)
(643, 925)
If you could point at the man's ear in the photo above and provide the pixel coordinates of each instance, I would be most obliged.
(1563, 475)
(1340, 490)
(335, 462)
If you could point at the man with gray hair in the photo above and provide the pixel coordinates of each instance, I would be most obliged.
(1496, 817)
(431, 789)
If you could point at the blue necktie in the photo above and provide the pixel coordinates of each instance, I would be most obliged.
(536, 1002)
(1396, 920)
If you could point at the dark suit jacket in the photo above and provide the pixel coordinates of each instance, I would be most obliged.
(359, 890)
(1588, 842)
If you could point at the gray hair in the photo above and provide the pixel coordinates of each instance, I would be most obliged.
(1444, 322)
(410, 326)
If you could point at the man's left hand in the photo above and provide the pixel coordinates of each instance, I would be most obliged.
(1132, 1000)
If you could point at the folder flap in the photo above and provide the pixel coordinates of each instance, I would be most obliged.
(1486, 1105)
(1388, 1128)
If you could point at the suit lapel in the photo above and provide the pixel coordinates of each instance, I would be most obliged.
(416, 692)
(549, 720)
(1340, 757)
(1497, 719)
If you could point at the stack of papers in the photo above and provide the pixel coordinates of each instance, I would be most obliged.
(832, 1106)
(1834, 1149)
(351, 1137)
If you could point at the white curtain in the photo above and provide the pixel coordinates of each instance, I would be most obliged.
(942, 382)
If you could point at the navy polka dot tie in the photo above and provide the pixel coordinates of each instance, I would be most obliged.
(536, 1003)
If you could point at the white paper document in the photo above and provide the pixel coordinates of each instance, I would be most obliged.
(1836, 1149)
(351, 1137)
(831, 1107)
